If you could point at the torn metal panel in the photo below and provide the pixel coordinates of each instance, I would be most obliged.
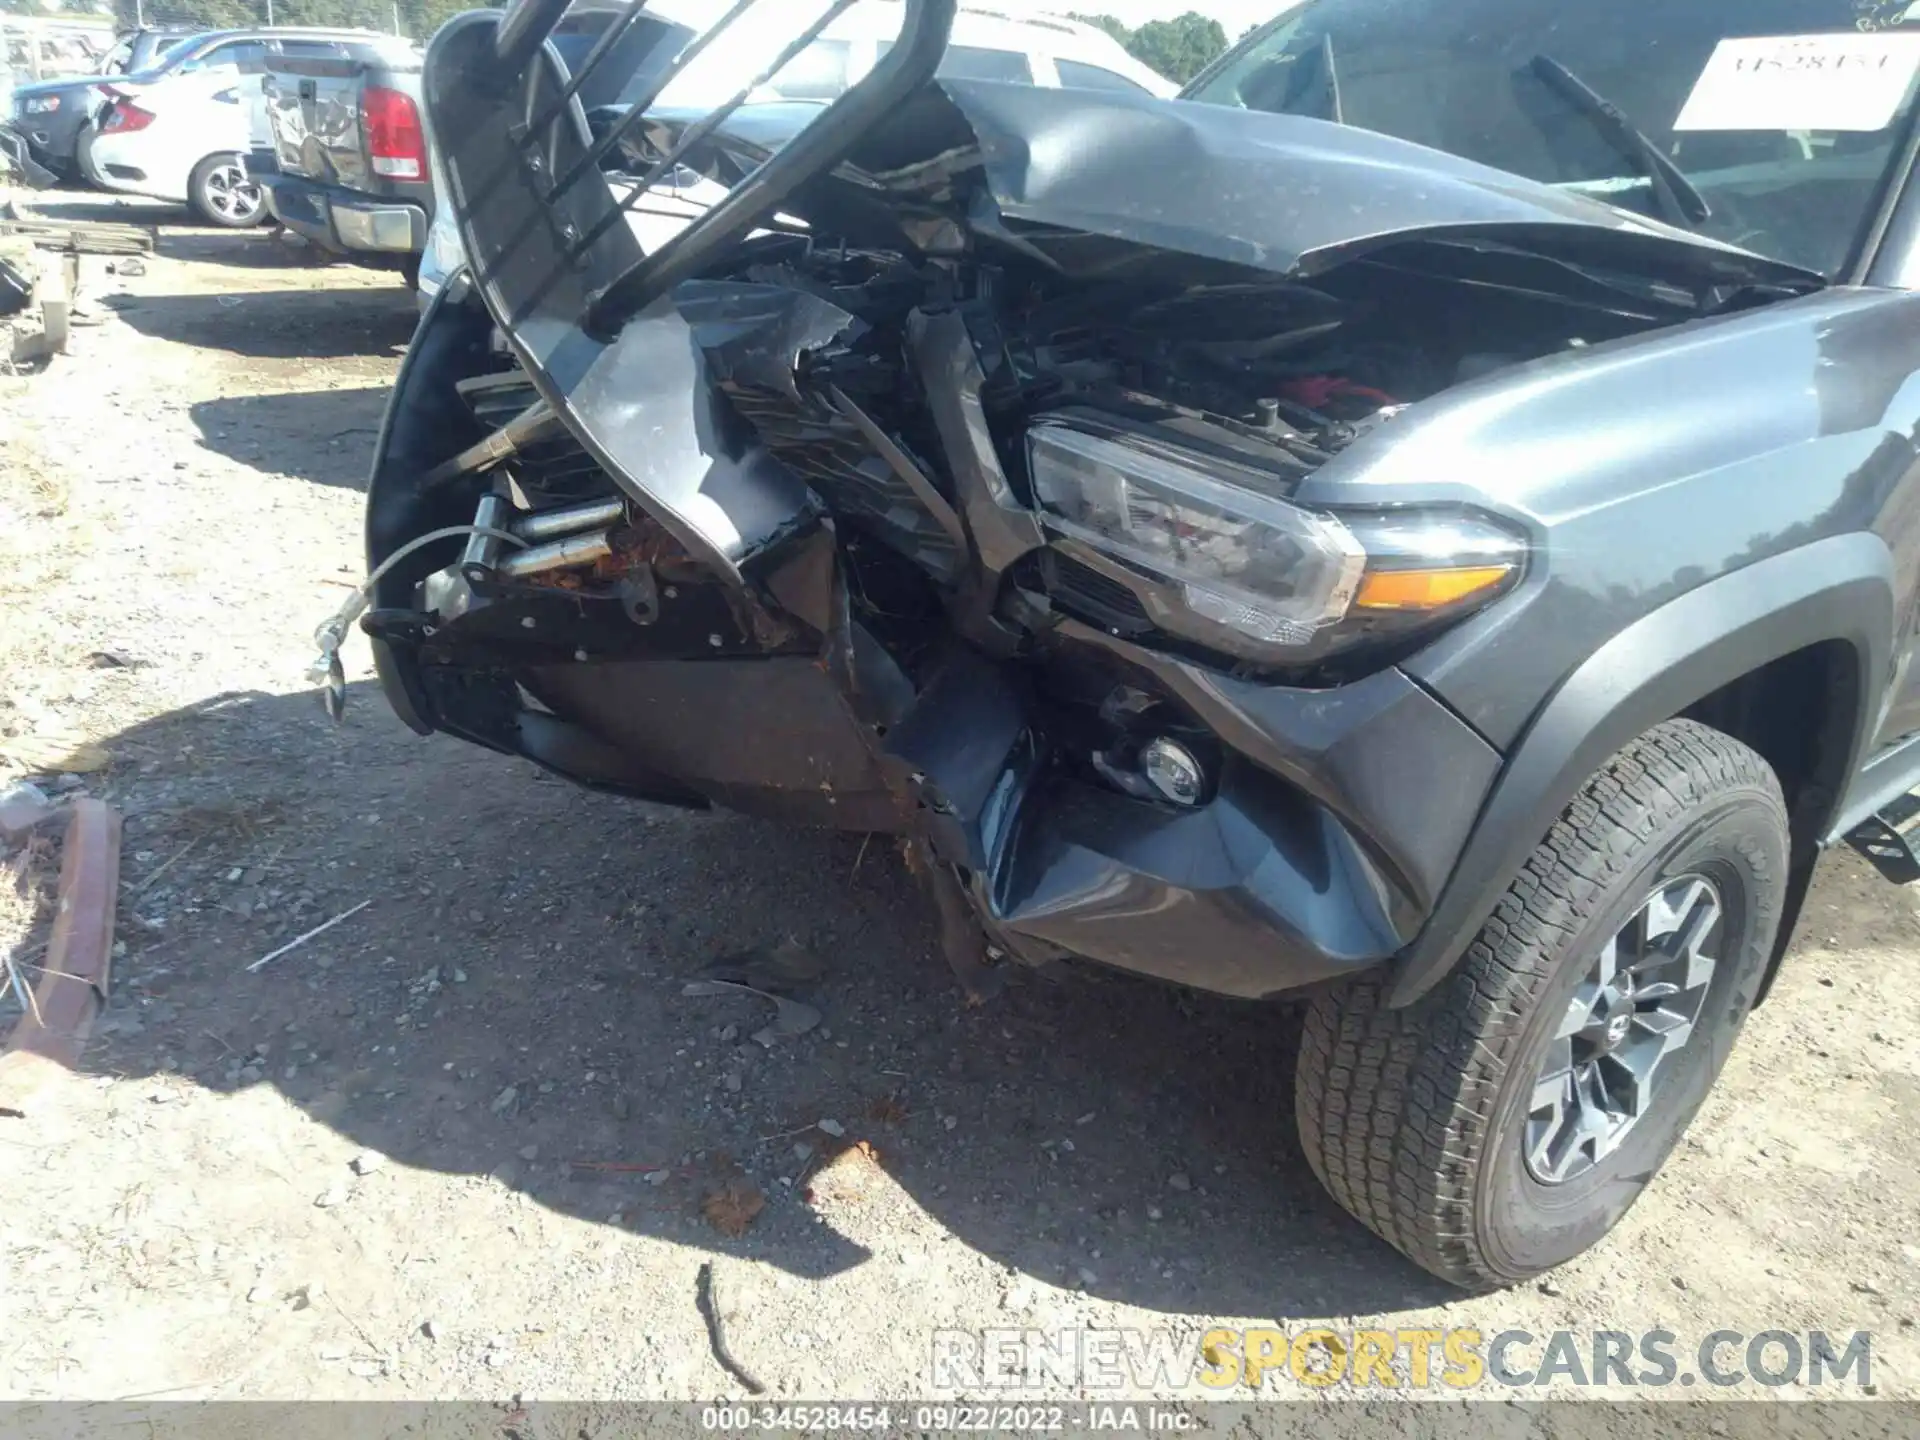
(647, 408)
(1054, 172)
(758, 340)
(1290, 194)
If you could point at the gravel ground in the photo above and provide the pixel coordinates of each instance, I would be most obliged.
(475, 1141)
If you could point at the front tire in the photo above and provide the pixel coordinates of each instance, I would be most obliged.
(221, 193)
(1504, 1122)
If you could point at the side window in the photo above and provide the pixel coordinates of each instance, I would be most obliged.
(973, 62)
(818, 72)
(249, 55)
(1078, 75)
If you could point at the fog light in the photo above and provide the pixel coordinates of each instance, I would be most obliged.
(1173, 771)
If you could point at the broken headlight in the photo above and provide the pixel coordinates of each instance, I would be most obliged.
(1251, 567)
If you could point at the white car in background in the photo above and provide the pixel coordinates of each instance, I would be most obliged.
(183, 133)
(182, 141)
(988, 43)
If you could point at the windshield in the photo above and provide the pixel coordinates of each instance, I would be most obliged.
(644, 51)
(1776, 118)
(168, 59)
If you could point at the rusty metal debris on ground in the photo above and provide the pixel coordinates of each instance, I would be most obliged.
(74, 980)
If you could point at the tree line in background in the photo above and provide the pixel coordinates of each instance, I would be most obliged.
(1179, 49)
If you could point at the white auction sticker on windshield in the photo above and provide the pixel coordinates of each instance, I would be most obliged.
(1803, 82)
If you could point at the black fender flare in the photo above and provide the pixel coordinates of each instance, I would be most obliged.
(1840, 588)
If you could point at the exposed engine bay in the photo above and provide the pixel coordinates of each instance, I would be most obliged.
(977, 495)
(1396, 550)
(812, 344)
(552, 631)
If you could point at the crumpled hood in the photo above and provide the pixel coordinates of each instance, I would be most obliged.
(1292, 194)
(1282, 193)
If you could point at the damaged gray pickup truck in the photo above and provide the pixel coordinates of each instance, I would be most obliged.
(1430, 531)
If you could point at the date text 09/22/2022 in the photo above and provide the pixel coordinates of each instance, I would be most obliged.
(948, 1417)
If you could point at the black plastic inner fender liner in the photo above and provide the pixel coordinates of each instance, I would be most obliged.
(771, 736)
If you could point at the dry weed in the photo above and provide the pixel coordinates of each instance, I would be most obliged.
(26, 906)
(42, 543)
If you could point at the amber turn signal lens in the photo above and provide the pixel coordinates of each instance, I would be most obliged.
(1426, 589)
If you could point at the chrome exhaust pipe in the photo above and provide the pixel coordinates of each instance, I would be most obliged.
(552, 524)
(575, 552)
(483, 551)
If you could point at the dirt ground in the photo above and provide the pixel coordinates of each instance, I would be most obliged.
(184, 1218)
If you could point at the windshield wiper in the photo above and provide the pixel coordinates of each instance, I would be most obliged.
(1678, 200)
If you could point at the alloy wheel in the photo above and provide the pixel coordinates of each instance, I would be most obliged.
(230, 193)
(1634, 1010)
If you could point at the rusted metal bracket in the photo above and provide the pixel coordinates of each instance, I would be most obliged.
(73, 988)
